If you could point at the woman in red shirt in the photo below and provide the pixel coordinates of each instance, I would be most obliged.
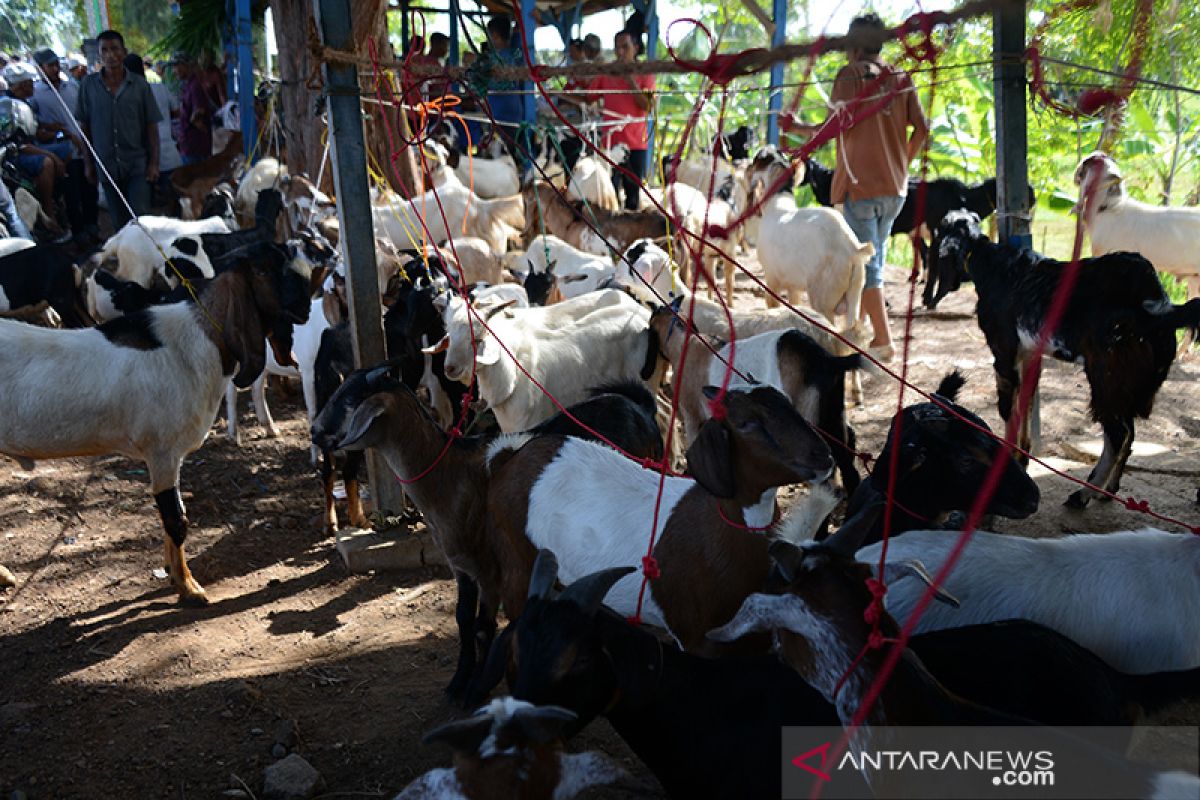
(633, 98)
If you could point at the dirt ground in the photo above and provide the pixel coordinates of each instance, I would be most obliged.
(110, 689)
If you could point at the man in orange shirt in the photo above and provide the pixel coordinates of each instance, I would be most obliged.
(871, 177)
(632, 99)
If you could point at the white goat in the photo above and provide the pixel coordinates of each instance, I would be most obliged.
(1165, 235)
(1132, 598)
(491, 220)
(476, 260)
(148, 387)
(491, 178)
(592, 176)
(265, 174)
(577, 272)
(568, 347)
(697, 214)
(810, 249)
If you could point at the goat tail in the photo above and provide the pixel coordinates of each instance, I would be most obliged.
(858, 280)
(1160, 689)
(851, 363)
(1173, 317)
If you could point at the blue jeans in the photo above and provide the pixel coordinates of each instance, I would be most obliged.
(871, 220)
(186, 159)
(136, 190)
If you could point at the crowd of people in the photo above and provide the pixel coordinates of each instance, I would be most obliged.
(142, 120)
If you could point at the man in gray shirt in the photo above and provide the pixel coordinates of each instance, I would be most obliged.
(118, 114)
(55, 117)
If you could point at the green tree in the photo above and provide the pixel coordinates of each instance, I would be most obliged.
(32, 24)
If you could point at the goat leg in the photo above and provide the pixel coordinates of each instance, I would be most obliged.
(492, 672)
(1118, 442)
(175, 523)
(465, 611)
(258, 392)
(350, 472)
(331, 519)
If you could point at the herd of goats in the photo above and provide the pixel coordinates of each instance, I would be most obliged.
(566, 358)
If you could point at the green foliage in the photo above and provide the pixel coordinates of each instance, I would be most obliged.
(199, 25)
(33, 24)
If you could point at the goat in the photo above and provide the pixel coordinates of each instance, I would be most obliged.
(474, 259)
(1067, 583)
(154, 380)
(267, 173)
(575, 271)
(193, 182)
(511, 750)
(306, 204)
(1164, 235)
(373, 408)
(698, 215)
(42, 274)
(592, 179)
(647, 272)
(941, 465)
(573, 652)
(1118, 323)
(490, 177)
(820, 630)
(807, 248)
(789, 360)
(465, 213)
(595, 508)
(942, 195)
(573, 222)
(566, 347)
(219, 203)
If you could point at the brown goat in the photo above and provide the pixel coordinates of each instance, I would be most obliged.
(194, 181)
(595, 509)
(573, 222)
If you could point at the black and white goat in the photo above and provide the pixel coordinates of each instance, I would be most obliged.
(1118, 323)
(148, 385)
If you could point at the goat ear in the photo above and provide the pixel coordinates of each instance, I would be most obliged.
(759, 612)
(331, 304)
(463, 735)
(589, 591)
(787, 558)
(243, 335)
(361, 422)
(542, 723)
(440, 347)
(545, 573)
(710, 459)
(895, 570)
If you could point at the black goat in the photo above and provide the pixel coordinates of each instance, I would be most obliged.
(1118, 321)
(942, 463)
(942, 195)
(540, 286)
(687, 717)
(266, 214)
(736, 146)
(43, 274)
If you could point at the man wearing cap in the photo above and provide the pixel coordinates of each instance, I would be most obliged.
(118, 115)
(41, 162)
(193, 132)
(77, 67)
(56, 123)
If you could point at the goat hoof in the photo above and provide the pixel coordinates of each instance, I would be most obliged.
(1078, 500)
(195, 600)
(273, 432)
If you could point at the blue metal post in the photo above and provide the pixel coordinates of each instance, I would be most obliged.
(245, 53)
(651, 13)
(775, 97)
(348, 155)
(228, 39)
(528, 101)
(453, 33)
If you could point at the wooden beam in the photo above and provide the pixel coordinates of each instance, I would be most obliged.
(760, 14)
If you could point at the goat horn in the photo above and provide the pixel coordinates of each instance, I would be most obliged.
(545, 573)
(850, 536)
(494, 310)
(588, 592)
